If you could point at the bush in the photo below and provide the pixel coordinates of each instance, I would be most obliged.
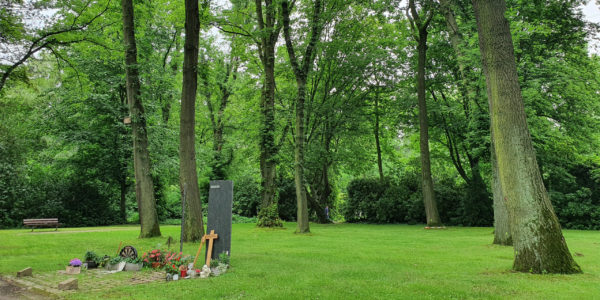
(400, 201)
(268, 217)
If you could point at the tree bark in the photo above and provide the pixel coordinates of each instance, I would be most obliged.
(301, 201)
(420, 28)
(193, 228)
(268, 215)
(502, 234)
(144, 189)
(537, 237)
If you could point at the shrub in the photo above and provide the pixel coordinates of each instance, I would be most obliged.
(268, 217)
(400, 201)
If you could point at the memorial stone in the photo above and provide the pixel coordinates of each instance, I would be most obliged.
(220, 201)
(69, 284)
(25, 272)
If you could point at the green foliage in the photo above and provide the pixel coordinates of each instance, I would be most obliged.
(224, 258)
(132, 260)
(92, 256)
(115, 260)
(214, 263)
(400, 201)
(269, 217)
(246, 197)
(287, 202)
(237, 219)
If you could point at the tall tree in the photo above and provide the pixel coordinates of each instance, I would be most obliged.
(419, 25)
(268, 34)
(301, 72)
(466, 126)
(144, 190)
(193, 228)
(537, 237)
(225, 76)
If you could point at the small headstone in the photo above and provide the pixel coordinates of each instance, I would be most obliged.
(69, 284)
(220, 201)
(25, 272)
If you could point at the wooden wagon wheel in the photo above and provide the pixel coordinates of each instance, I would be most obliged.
(128, 252)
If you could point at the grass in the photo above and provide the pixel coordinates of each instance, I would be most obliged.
(338, 261)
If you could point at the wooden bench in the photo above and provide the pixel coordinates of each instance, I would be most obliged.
(41, 223)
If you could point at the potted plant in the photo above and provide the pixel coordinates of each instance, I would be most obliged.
(154, 259)
(92, 260)
(74, 266)
(115, 263)
(220, 265)
(133, 264)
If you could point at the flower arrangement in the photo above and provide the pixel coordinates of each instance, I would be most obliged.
(171, 269)
(154, 258)
(75, 262)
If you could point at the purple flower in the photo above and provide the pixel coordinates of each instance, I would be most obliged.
(75, 262)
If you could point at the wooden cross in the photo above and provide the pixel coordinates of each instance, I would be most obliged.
(210, 237)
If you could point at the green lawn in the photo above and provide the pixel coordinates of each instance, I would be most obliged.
(345, 261)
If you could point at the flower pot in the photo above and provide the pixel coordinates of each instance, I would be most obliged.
(183, 273)
(73, 270)
(175, 277)
(116, 267)
(91, 264)
(133, 267)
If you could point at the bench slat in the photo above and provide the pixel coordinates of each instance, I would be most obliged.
(51, 222)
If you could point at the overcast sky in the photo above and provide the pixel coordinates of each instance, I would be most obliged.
(592, 14)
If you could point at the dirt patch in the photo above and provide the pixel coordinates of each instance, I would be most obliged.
(46, 283)
(12, 292)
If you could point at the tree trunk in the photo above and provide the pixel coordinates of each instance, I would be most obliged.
(268, 153)
(302, 208)
(431, 212)
(268, 215)
(144, 191)
(301, 71)
(502, 234)
(193, 228)
(322, 193)
(537, 237)
(377, 144)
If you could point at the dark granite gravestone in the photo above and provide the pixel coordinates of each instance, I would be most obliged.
(220, 201)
